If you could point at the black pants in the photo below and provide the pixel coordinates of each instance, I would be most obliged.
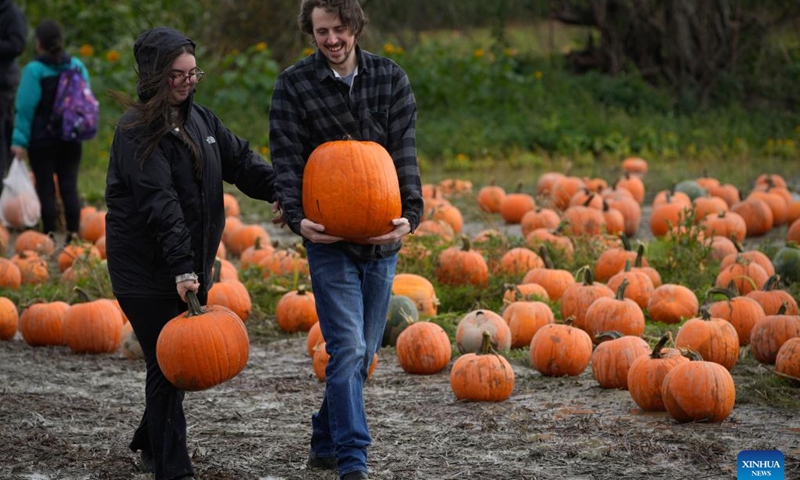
(6, 129)
(162, 430)
(62, 159)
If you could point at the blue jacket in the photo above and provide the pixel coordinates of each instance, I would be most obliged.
(35, 97)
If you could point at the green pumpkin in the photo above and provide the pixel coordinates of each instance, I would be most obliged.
(402, 313)
(787, 263)
(691, 188)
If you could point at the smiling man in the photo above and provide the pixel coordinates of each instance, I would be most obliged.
(342, 91)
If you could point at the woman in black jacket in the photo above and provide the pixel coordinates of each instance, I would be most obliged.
(165, 219)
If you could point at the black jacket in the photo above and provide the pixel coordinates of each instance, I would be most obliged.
(13, 37)
(161, 221)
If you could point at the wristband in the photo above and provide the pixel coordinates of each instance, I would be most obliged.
(186, 276)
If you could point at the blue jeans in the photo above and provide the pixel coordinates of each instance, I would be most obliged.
(352, 300)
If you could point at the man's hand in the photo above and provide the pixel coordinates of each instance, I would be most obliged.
(402, 227)
(314, 232)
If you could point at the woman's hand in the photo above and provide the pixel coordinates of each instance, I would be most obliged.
(277, 215)
(186, 285)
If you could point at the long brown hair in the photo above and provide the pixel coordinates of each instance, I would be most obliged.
(349, 11)
(152, 114)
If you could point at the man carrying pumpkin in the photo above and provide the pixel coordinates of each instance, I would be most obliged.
(339, 92)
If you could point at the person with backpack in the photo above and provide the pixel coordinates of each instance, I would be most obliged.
(37, 130)
(13, 36)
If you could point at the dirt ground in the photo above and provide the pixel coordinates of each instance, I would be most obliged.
(65, 416)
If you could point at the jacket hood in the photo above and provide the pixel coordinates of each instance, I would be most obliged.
(151, 51)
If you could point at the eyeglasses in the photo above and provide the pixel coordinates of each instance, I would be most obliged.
(179, 78)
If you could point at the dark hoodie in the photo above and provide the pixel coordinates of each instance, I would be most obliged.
(13, 36)
(161, 220)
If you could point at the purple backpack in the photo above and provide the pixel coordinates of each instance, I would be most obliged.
(75, 109)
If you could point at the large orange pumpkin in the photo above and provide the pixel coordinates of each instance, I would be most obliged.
(296, 311)
(770, 333)
(43, 323)
(525, 318)
(612, 359)
(419, 289)
(423, 348)
(560, 349)
(93, 327)
(202, 348)
(484, 376)
(714, 338)
(10, 276)
(787, 362)
(646, 375)
(672, 303)
(351, 188)
(460, 266)
(9, 319)
(698, 391)
(742, 312)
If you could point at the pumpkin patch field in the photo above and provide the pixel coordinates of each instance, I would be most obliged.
(576, 328)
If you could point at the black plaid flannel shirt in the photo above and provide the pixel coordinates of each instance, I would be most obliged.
(311, 106)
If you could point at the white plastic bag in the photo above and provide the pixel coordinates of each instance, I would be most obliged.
(19, 204)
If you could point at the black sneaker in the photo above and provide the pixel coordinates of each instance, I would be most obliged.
(357, 475)
(147, 461)
(323, 463)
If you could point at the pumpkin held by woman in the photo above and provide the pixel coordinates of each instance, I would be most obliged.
(203, 347)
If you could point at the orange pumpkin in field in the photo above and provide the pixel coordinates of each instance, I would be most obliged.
(420, 290)
(10, 276)
(490, 197)
(296, 311)
(634, 165)
(461, 266)
(93, 226)
(351, 188)
(9, 319)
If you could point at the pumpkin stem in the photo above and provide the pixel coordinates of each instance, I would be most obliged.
(639, 255)
(548, 262)
(612, 334)
(662, 342)
(626, 243)
(588, 275)
(465, 242)
(721, 291)
(622, 287)
(217, 275)
(772, 283)
(486, 344)
(195, 308)
(691, 354)
(82, 294)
